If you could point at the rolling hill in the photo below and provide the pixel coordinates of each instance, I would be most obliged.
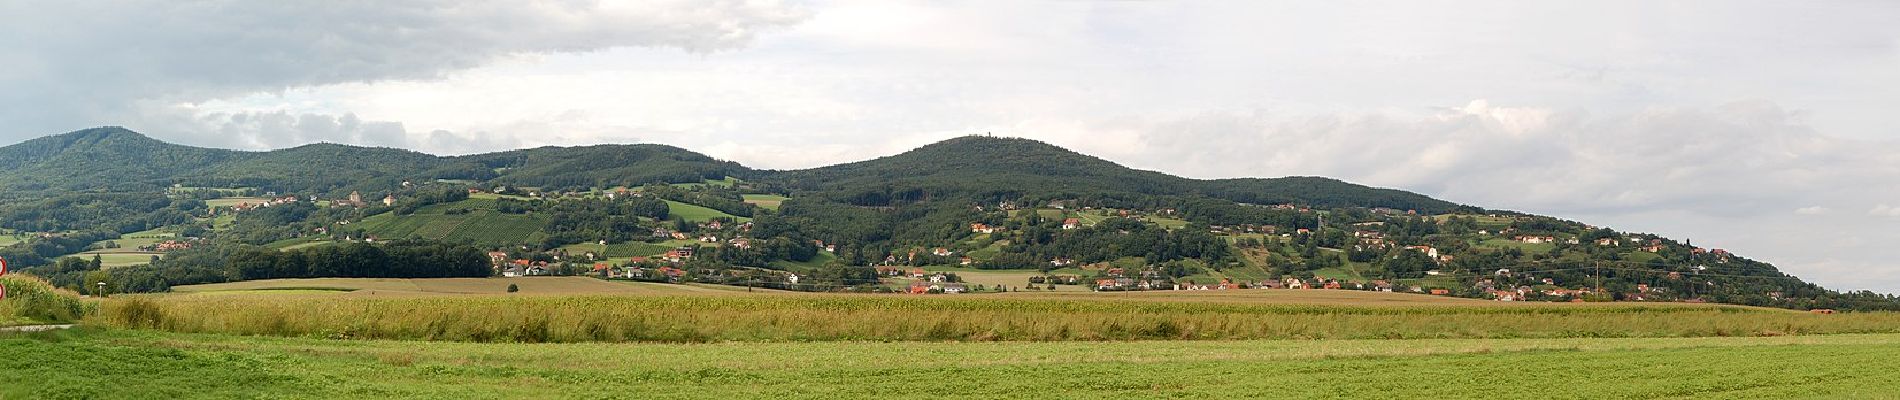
(107, 181)
(995, 169)
(114, 159)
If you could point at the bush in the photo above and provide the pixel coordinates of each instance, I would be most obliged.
(512, 288)
(33, 301)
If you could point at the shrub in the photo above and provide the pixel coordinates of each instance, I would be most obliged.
(512, 288)
(31, 300)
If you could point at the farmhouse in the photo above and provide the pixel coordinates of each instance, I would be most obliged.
(1536, 239)
(1072, 223)
(983, 228)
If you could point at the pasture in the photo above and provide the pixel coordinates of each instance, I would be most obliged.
(111, 364)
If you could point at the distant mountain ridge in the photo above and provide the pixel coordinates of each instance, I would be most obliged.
(1000, 168)
(973, 167)
(118, 159)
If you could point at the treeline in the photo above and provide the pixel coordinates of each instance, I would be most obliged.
(585, 220)
(1107, 241)
(116, 212)
(38, 251)
(227, 263)
(357, 260)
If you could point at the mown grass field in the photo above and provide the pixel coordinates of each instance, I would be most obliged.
(111, 364)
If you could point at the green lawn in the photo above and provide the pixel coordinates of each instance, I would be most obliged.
(144, 365)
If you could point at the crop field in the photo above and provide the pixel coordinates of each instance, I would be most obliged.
(92, 363)
(398, 287)
(694, 317)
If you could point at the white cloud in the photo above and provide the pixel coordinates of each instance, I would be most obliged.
(1884, 210)
(1708, 127)
(76, 64)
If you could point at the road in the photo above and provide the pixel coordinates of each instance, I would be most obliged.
(35, 328)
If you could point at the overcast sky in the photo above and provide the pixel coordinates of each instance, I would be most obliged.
(1766, 128)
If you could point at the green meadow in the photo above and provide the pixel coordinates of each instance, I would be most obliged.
(119, 364)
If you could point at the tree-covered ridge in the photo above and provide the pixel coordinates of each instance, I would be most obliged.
(115, 159)
(602, 166)
(989, 169)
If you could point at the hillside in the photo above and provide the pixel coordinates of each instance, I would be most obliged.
(972, 205)
(602, 166)
(115, 159)
(994, 169)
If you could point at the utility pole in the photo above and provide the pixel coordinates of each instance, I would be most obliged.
(1599, 274)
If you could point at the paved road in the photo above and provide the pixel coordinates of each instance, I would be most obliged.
(35, 328)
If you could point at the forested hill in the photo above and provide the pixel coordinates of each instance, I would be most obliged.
(114, 159)
(993, 169)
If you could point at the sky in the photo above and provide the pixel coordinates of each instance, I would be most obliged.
(1761, 127)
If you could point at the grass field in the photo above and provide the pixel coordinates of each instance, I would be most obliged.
(234, 201)
(119, 259)
(1008, 278)
(482, 224)
(1529, 248)
(817, 261)
(765, 201)
(143, 364)
(694, 213)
